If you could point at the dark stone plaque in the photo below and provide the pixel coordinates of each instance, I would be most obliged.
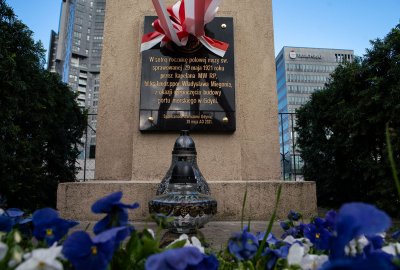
(191, 89)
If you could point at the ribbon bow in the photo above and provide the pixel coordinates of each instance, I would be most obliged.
(177, 22)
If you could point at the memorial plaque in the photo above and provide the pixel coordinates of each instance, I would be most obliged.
(189, 88)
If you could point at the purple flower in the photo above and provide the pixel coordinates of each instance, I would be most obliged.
(92, 254)
(294, 216)
(49, 226)
(117, 213)
(353, 220)
(189, 258)
(243, 245)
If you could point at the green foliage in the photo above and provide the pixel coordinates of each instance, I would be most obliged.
(342, 129)
(40, 122)
(140, 246)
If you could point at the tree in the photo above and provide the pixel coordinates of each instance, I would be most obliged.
(342, 129)
(40, 121)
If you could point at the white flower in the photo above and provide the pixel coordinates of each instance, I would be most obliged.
(151, 232)
(43, 258)
(16, 257)
(356, 246)
(392, 249)
(1, 211)
(17, 237)
(305, 241)
(3, 250)
(289, 239)
(298, 256)
(296, 253)
(195, 242)
(181, 237)
(313, 262)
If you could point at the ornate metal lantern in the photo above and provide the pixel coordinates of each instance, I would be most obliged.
(184, 150)
(185, 208)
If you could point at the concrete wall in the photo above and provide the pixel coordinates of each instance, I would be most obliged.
(75, 199)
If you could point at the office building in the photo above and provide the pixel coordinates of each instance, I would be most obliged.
(299, 73)
(75, 53)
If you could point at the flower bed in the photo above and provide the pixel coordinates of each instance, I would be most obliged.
(352, 238)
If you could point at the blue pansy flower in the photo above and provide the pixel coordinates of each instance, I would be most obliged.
(48, 226)
(330, 219)
(6, 224)
(10, 218)
(86, 253)
(353, 220)
(376, 261)
(396, 235)
(294, 216)
(376, 241)
(274, 254)
(271, 239)
(318, 235)
(243, 245)
(15, 214)
(285, 225)
(209, 262)
(296, 231)
(181, 258)
(117, 213)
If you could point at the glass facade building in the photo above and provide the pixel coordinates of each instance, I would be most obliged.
(299, 73)
(77, 49)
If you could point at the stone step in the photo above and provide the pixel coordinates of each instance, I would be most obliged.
(75, 199)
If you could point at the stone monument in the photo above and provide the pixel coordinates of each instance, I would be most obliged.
(238, 148)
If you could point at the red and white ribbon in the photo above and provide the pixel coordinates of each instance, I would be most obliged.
(186, 17)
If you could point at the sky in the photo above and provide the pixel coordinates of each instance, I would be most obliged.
(41, 16)
(338, 24)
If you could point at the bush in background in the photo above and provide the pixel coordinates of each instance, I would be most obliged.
(342, 129)
(40, 122)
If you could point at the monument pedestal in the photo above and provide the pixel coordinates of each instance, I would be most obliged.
(75, 199)
(225, 159)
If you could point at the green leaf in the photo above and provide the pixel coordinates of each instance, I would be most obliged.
(243, 206)
(392, 162)
(177, 244)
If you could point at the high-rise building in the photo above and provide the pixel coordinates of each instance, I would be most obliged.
(75, 53)
(51, 61)
(299, 73)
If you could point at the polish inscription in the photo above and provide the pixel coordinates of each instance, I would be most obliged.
(194, 91)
